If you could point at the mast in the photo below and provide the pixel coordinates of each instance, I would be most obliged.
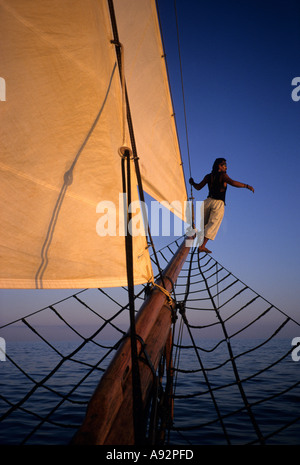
(108, 420)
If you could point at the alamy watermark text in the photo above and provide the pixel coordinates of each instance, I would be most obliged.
(2, 90)
(2, 349)
(296, 90)
(112, 218)
(296, 351)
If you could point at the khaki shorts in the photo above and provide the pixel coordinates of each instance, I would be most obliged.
(213, 215)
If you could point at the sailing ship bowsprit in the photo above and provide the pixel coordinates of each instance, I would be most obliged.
(88, 119)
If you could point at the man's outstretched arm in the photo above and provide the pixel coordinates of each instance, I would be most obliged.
(233, 183)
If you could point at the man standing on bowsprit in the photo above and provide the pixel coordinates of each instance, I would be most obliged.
(214, 205)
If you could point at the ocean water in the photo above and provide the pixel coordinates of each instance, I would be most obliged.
(50, 412)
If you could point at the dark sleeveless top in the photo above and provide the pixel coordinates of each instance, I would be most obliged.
(216, 189)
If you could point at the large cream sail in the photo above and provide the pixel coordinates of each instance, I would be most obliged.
(60, 132)
(61, 128)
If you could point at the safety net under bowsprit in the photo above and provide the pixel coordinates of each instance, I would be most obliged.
(234, 365)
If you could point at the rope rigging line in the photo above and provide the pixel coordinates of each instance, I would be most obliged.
(184, 317)
(185, 115)
(243, 394)
(125, 152)
(182, 89)
(216, 351)
(126, 115)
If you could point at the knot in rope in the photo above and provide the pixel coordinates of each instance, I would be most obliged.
(167, 294)
(181, 308)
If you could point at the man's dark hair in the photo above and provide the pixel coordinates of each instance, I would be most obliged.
(216, 164)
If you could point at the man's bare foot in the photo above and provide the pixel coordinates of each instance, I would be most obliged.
(204, 249)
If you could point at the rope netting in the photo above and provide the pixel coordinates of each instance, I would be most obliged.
(236, 380)
(234, 377)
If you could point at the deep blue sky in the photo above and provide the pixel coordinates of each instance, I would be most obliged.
(239, 59)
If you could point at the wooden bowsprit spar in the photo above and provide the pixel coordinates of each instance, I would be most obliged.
(108, 418)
